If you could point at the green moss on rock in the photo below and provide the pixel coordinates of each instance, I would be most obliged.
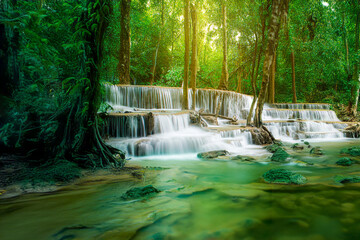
(283, 176)
(274, 147)
(139, 192)
(317, 151)
(353, 151)
(280, 155)
(345, 161)
(347, 179)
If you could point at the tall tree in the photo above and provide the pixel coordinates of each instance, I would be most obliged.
(356, 77)
(193, 65)
(239, 69)
(223, 85)
(124, 54)
(185, 103)
(279, 9)
(294, 100)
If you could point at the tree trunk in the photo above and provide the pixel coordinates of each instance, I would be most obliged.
(193, 65)
(239, 70)
(279, 8)
(223, 85)
(294, 100)
(355, 87)
(270, 96)
(185, 103)
(253, 84)
(124, 54)
(156, 53)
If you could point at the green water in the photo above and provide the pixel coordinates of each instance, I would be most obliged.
(198, 200)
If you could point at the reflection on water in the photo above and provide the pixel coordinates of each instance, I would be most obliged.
(199, 200)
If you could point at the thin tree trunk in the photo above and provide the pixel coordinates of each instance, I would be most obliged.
(273, 80)
(294, 100)
(124, 55)
(253, 84)
(279, 7)
(185, 103)
(239, 71)
(355, 87)
(223, 85)
(193, 65)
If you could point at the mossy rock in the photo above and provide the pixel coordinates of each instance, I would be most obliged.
(353, 151)
(212, 154)
(242, 158)
(140, 192)
(296, 146)
(274, 147)
(306, 143)
(316, 151)
(284, 176)
(345, 161)
(280, 155)
(347, 179)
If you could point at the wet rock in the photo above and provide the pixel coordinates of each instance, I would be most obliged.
(317, 151)
(274, 147)
(345, 161)
(150, 123)
(196, 119)
(242, 158)
(347, 179)
(139, 192)
(352, 131)
(353, 151)
(280, 155)
(296, 146)
(283, 176)
(260, 136)
(212, 120)
(212, 154)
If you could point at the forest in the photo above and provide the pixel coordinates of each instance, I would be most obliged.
(138, 88)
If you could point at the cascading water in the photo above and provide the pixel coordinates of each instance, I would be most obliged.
(168, 130)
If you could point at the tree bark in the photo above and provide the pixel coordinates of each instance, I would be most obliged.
(270, 98)
(223, 85)
(124, 54)
(355, 87)
(279, 8)
(193, 65)
(253, 84)
(294, 100)
(239, 71)
(185, 103)
(156, 53)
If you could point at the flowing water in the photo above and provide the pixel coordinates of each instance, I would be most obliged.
(200, 199)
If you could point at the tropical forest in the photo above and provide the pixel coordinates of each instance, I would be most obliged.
(179, 119)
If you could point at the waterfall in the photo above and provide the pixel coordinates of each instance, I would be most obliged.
(168, 130)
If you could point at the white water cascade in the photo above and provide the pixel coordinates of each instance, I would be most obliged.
(168, 130)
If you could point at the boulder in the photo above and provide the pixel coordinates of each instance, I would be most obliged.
(260, 136)
(283, 176)
(273, 147)
(345, 161)
(212, 154)
(317, 151)
(347, 179)
(280, 155)
(296, 146)
(353, 151)
(139, 192)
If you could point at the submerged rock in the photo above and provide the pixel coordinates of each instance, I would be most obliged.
(274, 147)
(345, 161)
(280, 155)
(242, 158)
(317, 151)
(353, 151)
(347, 179)
(139, 192)
(296, 146)
(283, 176)
(212, 154)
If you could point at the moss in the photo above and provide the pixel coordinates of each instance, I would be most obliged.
(345, 161)
(317, 151)
(353, 151)
(139, 192)
(280, 155)
(60, 171)
(283, 176)
(274, 147)
(347, 179)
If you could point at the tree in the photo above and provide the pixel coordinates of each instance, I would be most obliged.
(356, 78)
(185, 104)
(193, 65)
(223, 85)
(279, 9)
(293, 76)
(124, 54)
